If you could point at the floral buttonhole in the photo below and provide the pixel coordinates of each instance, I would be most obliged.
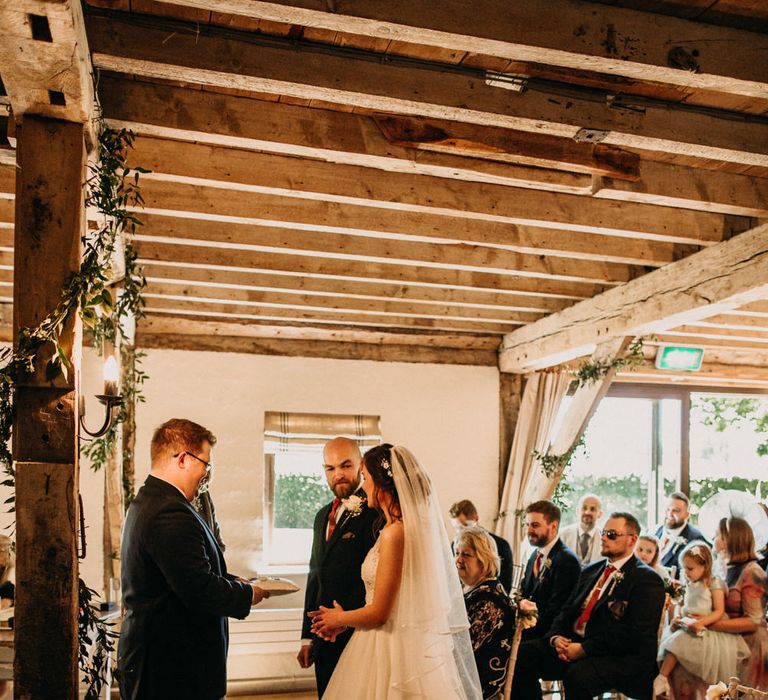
(354, 505)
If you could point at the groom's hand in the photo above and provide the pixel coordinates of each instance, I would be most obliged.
(259, 594)
(304, 657)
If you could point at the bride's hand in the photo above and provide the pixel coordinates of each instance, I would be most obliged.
(327, 621)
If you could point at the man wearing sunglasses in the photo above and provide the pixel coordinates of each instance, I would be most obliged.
(177, 593)
(606, 636)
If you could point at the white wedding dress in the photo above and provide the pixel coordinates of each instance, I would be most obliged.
(424, 649)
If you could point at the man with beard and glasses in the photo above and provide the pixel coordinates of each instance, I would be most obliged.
(344, 531)
(584, 537)
(177, 593)
(553, 569)
(676, 532)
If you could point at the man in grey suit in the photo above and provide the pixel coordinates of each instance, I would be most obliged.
(584, 537)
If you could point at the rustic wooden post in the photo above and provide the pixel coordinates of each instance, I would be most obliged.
(48, 225)
(510, 393)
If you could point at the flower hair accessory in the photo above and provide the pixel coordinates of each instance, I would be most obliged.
(387, 467)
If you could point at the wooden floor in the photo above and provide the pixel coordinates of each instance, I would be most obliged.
(309, 695)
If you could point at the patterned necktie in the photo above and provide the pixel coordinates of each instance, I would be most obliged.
(581, 623)
(537, 564)
(584, 547)
(332, 517)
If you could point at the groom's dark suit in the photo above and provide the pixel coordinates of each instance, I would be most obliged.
(553, 586)
(334, 575)
(177, 595)
(620, 639)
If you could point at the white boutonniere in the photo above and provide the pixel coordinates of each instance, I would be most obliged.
(546, 564)
(353, 505)
(680, 541)
(618, 577)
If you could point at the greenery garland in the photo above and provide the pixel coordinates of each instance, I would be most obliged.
(555, 467)
(112, 188)
(591, 371)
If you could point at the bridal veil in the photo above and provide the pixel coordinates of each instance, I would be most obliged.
(435, 650)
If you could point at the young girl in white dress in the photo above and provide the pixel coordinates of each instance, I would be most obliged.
(411, 638)
(712, 656)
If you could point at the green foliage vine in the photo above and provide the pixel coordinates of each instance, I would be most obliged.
(591, 371)
(112, 188)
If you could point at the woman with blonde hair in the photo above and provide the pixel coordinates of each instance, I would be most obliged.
(491, 620)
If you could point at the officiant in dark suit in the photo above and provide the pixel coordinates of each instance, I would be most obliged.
(677, 532)
(606, 636)
(552, 571)
(344, 531)
(177, 593)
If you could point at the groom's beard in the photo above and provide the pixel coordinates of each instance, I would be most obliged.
(344, 489)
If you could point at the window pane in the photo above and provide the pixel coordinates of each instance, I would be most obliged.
(729, 444)
(300, 491)
(616, 462)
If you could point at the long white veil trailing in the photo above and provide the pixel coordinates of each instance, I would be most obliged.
(436, 658)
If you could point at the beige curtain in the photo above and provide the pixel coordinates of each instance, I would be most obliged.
(543, 395)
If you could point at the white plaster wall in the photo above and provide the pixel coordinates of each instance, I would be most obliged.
(447, 415)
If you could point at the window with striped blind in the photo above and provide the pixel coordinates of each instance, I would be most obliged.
(295, 483)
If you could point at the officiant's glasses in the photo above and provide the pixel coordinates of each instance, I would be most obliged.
(612, 534)
(208, 465)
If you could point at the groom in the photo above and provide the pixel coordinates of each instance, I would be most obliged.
(343, 534)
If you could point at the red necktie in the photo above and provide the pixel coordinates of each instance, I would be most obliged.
(332, 517)
(537, 564)
(581, 623)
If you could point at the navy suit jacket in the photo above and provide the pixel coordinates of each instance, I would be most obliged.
(506, 560)
(624, 625)
(177, 595)
(552, 588)
(672, 558)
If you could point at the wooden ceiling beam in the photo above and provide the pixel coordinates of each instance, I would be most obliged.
(587, 37)
(711, 373)
(46, 65)
(522, 208)
(236, 238)
(398, 307)
(724, 276)
(161, 324)
(224, 261)
(320, 349)
(352, 318)
(669, 185)
(311, 286)
(265, 174)
(184, 114)
(122, 45)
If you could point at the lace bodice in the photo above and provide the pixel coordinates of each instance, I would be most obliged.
(368, 571)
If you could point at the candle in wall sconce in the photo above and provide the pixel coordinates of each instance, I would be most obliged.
(110, 376)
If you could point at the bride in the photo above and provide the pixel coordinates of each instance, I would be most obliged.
(411, 638)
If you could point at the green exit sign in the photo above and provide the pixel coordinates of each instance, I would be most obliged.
(679, 358)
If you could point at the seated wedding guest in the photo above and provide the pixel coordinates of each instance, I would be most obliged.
(745, 606)
(552, 570)
(464, 514)
(712, 656)
(491, 620)
(647, 551)
(676, 532)
(584, 537)
(606, 635)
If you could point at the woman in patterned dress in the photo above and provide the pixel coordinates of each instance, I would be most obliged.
(490, 615)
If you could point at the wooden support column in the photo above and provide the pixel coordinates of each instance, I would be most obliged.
(49, 222)
(510, 393)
